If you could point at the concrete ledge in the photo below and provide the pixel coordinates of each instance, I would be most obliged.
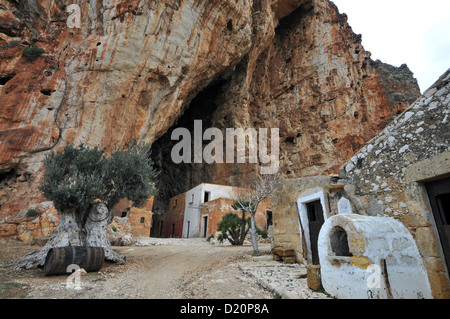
(433, 167)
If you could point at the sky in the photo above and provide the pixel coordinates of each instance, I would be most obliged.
(414, 32)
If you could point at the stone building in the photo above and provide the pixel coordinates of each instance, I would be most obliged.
(140, 219)
(197, 212)
(213, 211)
(400, 175)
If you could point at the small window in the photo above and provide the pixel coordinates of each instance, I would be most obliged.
(142, 220)
(124, 214)
(207, 195)
(175, 203)
(230, 25)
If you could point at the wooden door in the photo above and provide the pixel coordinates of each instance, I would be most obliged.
(315, 221)
(439, 195)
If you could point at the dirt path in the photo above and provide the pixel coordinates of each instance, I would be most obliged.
(183, 269)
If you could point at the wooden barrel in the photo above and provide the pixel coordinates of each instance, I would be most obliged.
(59, 258)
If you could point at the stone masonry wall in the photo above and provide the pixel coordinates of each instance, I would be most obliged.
(287, 230)
(386, 176)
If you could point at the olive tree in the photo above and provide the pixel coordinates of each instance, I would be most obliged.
(85, 183)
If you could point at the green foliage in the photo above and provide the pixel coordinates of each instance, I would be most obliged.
(78, 176)
(32, 213)
(130, 174)
(114, 228)
(32, 52)
(74, 177)
(261, 232)
(233, 228)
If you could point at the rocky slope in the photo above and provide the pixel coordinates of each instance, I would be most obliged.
(136, 69)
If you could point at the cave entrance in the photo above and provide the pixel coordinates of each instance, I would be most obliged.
(174, 178)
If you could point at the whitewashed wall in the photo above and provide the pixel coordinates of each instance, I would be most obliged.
(194, 198)
(371, 241)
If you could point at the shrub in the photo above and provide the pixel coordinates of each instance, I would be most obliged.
(32, 213)
(32, 52)
(235, 228)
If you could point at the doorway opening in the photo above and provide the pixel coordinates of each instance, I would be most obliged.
(439, 196)
(269, 218)
(205, 225)
(315, 221)
(312, 215)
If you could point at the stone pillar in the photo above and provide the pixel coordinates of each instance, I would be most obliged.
(313, 277)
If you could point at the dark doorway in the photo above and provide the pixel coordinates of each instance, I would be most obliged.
(439, 195)
(188, 226)
(205, 225)
(315, 220)
(269, 218)
(173, 231)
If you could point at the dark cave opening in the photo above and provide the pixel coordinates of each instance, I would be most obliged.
(174, 178)
(6, 78)
(7, 178)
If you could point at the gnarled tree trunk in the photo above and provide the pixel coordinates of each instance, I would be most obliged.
(96, 231)
(75, 229)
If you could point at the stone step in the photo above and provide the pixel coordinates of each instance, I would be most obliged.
(283, 252)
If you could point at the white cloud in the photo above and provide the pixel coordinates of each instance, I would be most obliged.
(404, 31)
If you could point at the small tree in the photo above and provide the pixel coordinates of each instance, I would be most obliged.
(261, 188)
(83, 184)
(232, 228)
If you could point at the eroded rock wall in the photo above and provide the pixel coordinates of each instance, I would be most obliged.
(308, 75)
(134, 67)
(126, 73)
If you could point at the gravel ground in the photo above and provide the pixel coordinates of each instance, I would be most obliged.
(164, 269)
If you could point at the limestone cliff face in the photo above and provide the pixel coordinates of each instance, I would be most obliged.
(308, 75)
(126, 73)
(135, 67)
(318, 84)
